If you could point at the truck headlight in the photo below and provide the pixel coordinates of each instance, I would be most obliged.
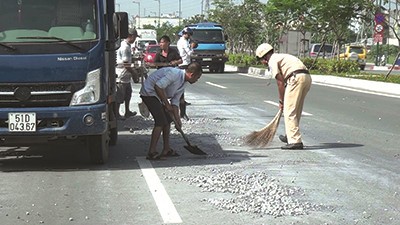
(91, 92)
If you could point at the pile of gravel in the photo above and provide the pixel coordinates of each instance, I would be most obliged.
(255, 193)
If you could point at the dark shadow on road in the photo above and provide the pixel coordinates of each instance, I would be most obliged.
(73, 155)
(220, 104)
(332, 145)
(311, 147)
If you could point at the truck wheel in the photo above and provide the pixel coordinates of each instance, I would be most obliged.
(98, 148)
(113, 136)
(221, 68)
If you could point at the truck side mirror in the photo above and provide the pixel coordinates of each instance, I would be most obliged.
(120, 20)
(226, 37)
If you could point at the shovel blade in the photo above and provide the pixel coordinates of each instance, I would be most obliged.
(194, 150)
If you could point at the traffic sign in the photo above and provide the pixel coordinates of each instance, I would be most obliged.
(378, 37)
(379, 18)
(378, 28)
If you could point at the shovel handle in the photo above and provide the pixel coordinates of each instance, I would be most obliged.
(184, 137)
(179, 129)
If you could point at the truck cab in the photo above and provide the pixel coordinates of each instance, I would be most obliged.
(57, 72)
(211, 40)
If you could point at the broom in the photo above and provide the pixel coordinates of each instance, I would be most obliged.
(264, 136)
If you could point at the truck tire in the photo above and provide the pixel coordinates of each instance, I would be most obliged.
(221, 68)
(113, 136)
(98, 148)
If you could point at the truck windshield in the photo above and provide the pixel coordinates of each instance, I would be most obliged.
(69, 20)
(208, 36)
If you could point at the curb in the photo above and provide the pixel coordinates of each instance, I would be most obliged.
(366, 85)
(388, 67)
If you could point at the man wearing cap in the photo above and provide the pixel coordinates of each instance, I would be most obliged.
(124, 73)
(294, 82)
(185, 48)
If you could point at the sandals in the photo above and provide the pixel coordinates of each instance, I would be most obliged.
(153, 156)
(171, 153)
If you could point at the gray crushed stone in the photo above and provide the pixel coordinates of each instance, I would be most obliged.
(254, 193)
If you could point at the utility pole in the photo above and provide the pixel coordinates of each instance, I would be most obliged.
(207, 8)
(180, 12)
(159, 10)
(378, 57)
(138, 2)
(202, 3)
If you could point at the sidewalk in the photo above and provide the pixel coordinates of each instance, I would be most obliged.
(344, 82)
(387, 67)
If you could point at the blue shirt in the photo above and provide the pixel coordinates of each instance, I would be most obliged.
(172, 80)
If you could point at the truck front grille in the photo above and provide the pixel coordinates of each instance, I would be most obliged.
(207, 54)
(38, 95)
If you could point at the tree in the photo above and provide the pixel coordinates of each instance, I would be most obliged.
(242, 23)
(194, 19)
(327, 20)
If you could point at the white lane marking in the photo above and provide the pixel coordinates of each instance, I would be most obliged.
(258, 109)
(216, 85)
(357, 90)
(163, 201)
(277, 104)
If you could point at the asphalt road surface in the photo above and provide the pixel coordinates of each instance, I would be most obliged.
(348, 172)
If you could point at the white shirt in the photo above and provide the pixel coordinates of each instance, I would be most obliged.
(171, 79)
(184, 50)
(124, 55)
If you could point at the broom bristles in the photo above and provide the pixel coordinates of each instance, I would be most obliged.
(264, 136)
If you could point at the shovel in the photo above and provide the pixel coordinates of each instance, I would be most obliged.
(191, 148)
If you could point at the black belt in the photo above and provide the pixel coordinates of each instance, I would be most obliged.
(294, 73)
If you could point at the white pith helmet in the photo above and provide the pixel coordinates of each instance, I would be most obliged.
(263, 49)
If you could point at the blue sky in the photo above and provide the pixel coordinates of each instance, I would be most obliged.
(150, 7)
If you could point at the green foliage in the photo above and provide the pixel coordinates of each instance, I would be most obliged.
(333, 66)
(242, 59)
(166, 29)
(308, 62)
(315, 16)
(390, 78)
(194, 19)
(322, 66)
(390, 50)
(244, 23)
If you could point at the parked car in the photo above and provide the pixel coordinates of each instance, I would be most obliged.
(140, 46)
(325, 52)
(355, 52)
(150, 53)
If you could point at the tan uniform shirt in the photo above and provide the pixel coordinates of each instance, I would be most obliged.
(284, 64)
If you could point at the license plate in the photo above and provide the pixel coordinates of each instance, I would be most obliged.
(207, 59)
(22, 122)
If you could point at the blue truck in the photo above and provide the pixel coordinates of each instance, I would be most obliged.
(211, 40)
(57, 72)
